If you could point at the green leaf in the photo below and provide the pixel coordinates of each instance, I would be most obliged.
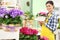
(1, 20)
(6, 21)
(27, 36)
(34, 37)
(21, 35)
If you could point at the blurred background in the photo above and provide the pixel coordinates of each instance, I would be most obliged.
(33, 6)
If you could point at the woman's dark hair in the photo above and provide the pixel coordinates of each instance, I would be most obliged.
(50, 2)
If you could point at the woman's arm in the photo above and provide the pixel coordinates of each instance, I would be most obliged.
(43, 22)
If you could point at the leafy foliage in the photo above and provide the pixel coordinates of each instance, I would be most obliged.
(27, 37)
(29, 15)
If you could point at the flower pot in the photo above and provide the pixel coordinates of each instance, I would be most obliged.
(24, 22)
(10, 28)
(29, 23)
(17, 25)
(40, 18)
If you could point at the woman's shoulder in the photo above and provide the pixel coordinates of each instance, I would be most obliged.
(56, 13)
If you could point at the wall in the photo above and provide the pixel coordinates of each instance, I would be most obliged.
(57, 3)
(23, 5)
(57, 6)
(38, 5)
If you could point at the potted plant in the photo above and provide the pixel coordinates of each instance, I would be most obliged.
(29, 18)
(28, 34)
(41, 16)
(11, 17)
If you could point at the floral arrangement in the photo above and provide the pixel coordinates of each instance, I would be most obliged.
(41, 14)
(28, 34)
(12, 16)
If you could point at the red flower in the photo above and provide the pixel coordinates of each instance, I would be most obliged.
(28, 31)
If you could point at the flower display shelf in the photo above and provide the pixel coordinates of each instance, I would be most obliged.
(9, 35)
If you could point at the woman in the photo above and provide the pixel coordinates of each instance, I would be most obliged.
(49, 26)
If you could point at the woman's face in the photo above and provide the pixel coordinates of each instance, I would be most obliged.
(49, 7)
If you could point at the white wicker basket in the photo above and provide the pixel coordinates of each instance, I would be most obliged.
(40, 18)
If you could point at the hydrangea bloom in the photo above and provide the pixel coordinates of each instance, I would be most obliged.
(3, 11)
(15, 12)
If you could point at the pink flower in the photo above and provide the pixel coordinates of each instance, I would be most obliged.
(35, 31)
(28, 31)
(45, 38)
(24, 30)
(43, 13)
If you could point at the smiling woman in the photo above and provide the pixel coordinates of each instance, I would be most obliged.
(49, 27)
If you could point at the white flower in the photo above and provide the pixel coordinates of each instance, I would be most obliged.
(6, 16)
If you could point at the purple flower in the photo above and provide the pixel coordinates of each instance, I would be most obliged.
(20, 12)
(15, 12)
(3, 11)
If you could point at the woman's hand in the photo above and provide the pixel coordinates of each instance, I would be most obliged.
(41, 22)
